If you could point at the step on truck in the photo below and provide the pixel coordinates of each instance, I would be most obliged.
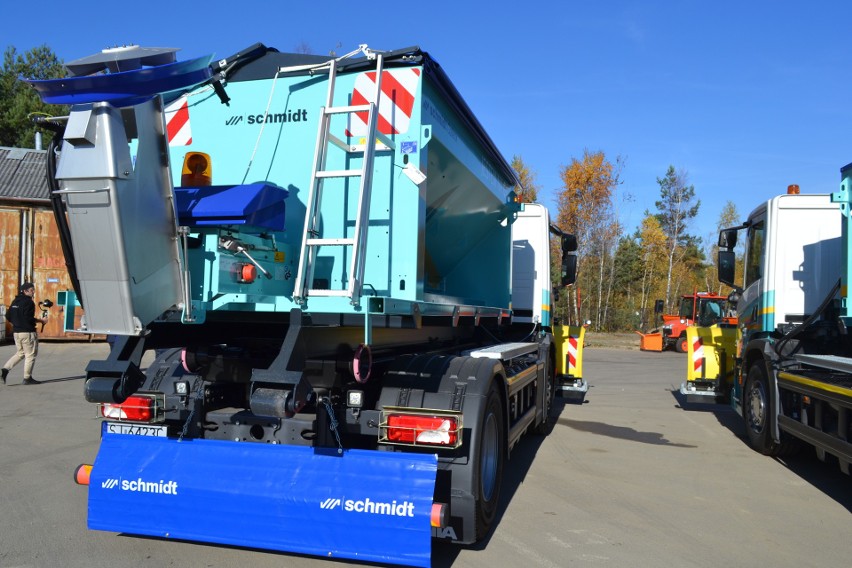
(793, 378)
(349, 309)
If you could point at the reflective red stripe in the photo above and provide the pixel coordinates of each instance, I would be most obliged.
(177, 121)
(697, 354)
(397, 93)
(572, 352)
(396, 104)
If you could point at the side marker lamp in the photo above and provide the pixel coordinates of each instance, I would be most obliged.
(440, 515)
(355, 399)
(82, 474)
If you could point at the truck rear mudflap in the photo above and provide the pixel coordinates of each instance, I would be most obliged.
(361, 505)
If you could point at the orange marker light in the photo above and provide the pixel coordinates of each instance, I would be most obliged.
(82, 474)
(793, 189)
(439, 515)
(197, 170)
(247, 274)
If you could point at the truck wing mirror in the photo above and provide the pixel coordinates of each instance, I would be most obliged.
(569, 259)
(569, 268)
(727, 266)
(728, 238)
(658, 306)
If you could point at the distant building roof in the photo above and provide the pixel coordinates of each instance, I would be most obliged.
(23, 174)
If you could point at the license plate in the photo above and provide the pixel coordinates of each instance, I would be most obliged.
(133, 429)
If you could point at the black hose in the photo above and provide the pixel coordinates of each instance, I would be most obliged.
(792, 334)
(59, 213)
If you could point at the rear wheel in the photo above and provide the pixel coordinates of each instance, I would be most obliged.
(546, 425)
(757, 411)
(489, 462)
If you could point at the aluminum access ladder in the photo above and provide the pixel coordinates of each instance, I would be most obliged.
(312, 237)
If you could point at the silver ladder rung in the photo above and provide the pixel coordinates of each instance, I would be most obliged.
(324, 292)
(338, 173)
(330, 242)
(347, 109)
(383, 143)
(341, 144)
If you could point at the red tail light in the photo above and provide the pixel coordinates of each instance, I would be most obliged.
(422, 429)
(137, 408)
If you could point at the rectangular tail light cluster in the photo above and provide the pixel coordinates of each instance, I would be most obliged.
(140, 407)
(420, 427)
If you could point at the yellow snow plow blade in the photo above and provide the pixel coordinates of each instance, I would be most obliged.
(710, 362)
(569, 362)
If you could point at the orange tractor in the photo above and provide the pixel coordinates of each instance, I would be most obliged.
(699, 308)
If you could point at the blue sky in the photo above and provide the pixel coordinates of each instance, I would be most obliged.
(746, 97)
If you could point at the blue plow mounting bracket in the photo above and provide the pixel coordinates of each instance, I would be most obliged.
(258, 204)
(364, 505)
(126, 88)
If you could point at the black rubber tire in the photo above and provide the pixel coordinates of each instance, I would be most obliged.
(757, 411)
(488, 465)
(546, 427)
(680, 344)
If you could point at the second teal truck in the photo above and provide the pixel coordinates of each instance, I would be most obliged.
(792, 383)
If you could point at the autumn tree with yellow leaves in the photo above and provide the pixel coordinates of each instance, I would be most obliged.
(585, 208)
(527, 190)
(729, 217)
(620, 277)
(653, 265)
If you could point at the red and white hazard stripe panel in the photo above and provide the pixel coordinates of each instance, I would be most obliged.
(177, 123)
(399, 87)
(697, 354)
(572, 353)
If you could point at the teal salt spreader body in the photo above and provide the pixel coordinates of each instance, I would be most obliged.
(351, 312)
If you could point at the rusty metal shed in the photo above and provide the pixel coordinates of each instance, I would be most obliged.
(29, 239)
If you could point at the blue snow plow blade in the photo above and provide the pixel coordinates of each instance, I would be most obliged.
(127, 88)
(364, 505)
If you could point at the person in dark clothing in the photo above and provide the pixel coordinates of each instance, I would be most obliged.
(22, 315)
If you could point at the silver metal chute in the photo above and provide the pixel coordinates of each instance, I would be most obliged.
(121, 214)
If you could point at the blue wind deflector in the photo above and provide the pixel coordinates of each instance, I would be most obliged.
(258, 204)
(126, 88)
(365, 505)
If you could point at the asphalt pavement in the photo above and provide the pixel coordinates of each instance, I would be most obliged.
(633, 477)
